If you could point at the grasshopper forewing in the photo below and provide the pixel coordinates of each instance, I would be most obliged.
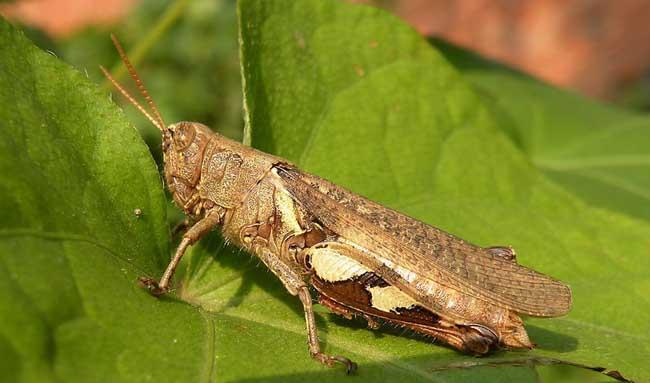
(361, 258)
(400, 240)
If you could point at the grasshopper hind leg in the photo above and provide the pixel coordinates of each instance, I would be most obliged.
(479, 339)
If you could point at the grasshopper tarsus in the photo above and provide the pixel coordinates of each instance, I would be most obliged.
(152, 286)
(331, 360)
(351, 367)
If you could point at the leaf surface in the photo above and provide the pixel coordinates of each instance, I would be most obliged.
(353, 95)
(598, 152)
(72, 172)
(347, 92)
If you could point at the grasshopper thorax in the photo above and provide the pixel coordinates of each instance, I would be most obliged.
(202, 168)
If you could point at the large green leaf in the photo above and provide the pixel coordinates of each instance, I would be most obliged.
(347, 92)
(72, 172)
(352, 94)
(597, 151)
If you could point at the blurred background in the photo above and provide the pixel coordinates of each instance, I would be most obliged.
(595, 47)
(186, 52)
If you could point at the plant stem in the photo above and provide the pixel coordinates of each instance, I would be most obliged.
(136, 55)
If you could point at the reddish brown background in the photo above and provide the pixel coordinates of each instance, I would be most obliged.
(595, 46)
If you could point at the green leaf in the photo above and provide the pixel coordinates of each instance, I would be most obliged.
(72, 171)
(597, 151)
(351, 94)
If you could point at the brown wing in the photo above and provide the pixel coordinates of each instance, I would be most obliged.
(433, 253)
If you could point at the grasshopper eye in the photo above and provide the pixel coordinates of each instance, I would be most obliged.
(183, 136)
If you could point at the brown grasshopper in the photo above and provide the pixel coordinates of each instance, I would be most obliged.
(361, 258)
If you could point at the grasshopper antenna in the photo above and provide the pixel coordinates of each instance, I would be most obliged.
(156, 119)
(131, 99)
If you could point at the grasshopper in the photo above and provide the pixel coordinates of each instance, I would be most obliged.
(361, 258)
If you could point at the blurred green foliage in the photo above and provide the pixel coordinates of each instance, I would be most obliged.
(598, 152)
(191, 70)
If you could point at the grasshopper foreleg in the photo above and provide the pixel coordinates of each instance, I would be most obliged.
(198, 230)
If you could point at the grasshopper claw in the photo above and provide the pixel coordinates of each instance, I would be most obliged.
(350, 366)
(330, 360)
(152, 286)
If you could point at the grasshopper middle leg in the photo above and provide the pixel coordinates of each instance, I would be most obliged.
(294, 283)
(312, 336)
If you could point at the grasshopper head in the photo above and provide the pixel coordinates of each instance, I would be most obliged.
(183, 143)
(183, 146)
